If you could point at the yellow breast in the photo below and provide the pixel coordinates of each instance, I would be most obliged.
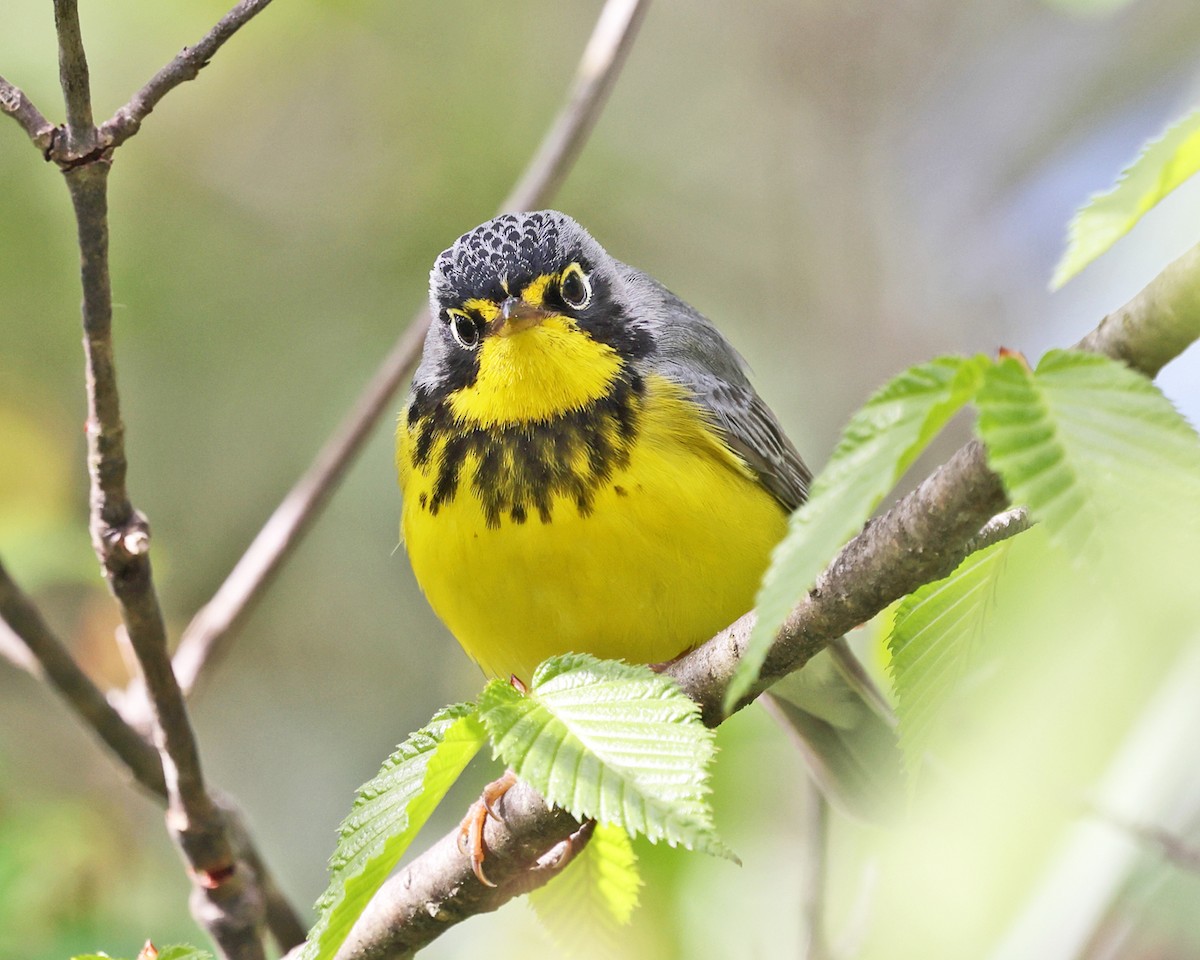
(661, 551)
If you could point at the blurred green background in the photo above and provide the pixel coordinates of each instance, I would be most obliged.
(845, 186)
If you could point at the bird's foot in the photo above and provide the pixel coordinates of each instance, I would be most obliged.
(470, 831)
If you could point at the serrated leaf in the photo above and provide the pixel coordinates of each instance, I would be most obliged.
(610, 741)
(879, 444)
(1085, 443)
(935, 639)
(1162, 166)
(388, 811)
(584, 908)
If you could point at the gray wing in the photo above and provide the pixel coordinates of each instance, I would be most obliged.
(692, 352)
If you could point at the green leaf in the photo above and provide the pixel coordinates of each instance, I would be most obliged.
(584, 908)
(879, 444)
(935, 639)
(610, 741)
(1162, 166)
(388, 811)
(1088, 444)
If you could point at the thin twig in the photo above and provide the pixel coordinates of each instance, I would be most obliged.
(18, 106)
(922, 538)
(84, 697)
(73, 77)
(47, 657)
(225, 898)
(214, 624)
(814, 871)
(1170, 846)
(598, 69)
(1001, 527)
(186, 66)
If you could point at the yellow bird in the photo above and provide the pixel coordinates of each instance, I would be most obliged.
(585, 465)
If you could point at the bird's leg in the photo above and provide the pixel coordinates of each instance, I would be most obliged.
(470, 831)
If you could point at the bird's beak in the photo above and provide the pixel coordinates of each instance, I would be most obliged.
(517, 315)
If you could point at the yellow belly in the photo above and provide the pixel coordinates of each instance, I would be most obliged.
(671, 551)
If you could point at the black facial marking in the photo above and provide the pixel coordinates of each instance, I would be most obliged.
(608, 322)
(522, 466)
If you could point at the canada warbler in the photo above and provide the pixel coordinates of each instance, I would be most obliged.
(585, 465)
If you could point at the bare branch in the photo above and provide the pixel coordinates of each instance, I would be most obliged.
(1001, 527)
(18, 106)
(922, 538)
(1170, 846)
(58, 667)
(186, 66)
(215, 622)
(814, 871)
(225, 898)
(48, 658)
(598, 69)
(73, 77)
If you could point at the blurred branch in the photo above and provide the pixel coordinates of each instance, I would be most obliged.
(1171, 847)
(922, 538)
(214, 624)
(186, 66)
(47, 657)
(58, 667)
(814, 871)
(18, 106)
(598, 68)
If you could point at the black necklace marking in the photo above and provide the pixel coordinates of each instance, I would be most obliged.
(523, 467)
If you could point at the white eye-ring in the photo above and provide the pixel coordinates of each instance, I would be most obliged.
(464, 330)
(574, 287)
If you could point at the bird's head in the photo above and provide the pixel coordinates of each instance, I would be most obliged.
(531, 320)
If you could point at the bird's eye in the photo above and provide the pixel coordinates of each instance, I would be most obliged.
(464, 330)
(574, 287)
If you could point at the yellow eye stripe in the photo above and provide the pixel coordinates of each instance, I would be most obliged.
(534, 293)
(478, 305)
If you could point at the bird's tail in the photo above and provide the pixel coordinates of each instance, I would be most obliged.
(846, 731)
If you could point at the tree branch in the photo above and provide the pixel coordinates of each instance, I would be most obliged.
(225, 898)
(73, 77)
(922, 538)
(186, 66)
(214, 624)
(814, 871)
(15, 104)
(1170, 846)
(60, 669)
(48, 658)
